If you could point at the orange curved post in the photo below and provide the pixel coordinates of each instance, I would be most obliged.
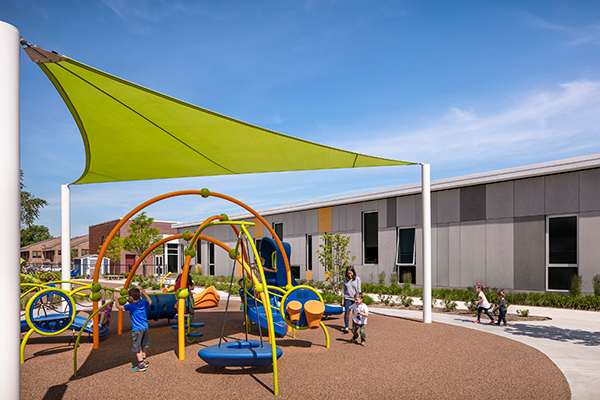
(114, 232)
(137, 209)
(146, 254)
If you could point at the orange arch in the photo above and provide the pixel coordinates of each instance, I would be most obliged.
(186, 265)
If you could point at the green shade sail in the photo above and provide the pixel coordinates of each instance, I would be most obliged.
(134, 133)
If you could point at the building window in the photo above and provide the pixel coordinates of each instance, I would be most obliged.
(172, 258)
(309, 253)
(257, 243)
(211, 259)
(370, 237)
(405, 254)
(36, 254)
(85, 252)
(278, 228)
(199, 252)
(562, 251)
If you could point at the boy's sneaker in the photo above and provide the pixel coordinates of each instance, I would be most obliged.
(363, 344)
(139, 367)
(491, 322)
(353, 340)
(476, 321)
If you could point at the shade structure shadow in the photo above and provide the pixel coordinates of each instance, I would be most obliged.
(575, 336)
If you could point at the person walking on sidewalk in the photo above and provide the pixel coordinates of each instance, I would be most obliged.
(351, 287)
(483, 303)
(502, 308)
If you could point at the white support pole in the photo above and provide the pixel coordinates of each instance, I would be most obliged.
(65, 235)
(426, 197)
(10, 332)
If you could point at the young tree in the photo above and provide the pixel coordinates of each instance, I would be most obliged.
(33, 234)
(30, 211)
(141, 236)
(114, 250)
(335, 257)
(30, 205)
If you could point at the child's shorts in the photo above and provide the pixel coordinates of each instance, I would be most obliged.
(141, 340)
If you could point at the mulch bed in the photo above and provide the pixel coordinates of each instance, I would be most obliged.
(404, 358)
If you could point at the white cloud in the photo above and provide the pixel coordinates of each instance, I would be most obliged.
(575, 36)
(559, 121)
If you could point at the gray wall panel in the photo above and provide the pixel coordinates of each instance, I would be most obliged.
(391, 212)
(419, 255)
(338, 219)
(387, 252)
(529, 197)
(353, 217)
(434, 258)
(589, 248)
(472, 203)
(499, 200)
(454, 246)
(562, 193)
(442, 255)
(405, 211)
(312, 221)
(448, 206)
(589, 190)
(530, 253)
(500, 253)
(472, 253)
(370, 205)
(382, 213)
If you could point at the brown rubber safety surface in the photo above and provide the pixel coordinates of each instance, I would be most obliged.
(403, 359)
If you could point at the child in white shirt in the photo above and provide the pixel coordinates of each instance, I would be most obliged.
(360, 313)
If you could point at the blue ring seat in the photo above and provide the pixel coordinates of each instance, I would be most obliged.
(240, 353)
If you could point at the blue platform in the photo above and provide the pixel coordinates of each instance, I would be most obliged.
(241, 353)
(54, 321)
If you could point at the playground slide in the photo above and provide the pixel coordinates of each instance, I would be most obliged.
(279, 324)
(208, 298)
(77, 323)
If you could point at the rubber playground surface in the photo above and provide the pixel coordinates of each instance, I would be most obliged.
(404, 358)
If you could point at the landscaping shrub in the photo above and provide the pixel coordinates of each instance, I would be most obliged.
(449, 305)
(596, 281)
(368, 300)
(575, 286)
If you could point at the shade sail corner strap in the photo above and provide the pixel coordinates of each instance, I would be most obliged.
(39, 55)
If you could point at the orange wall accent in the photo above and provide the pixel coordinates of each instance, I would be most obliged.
(308, 275)
(324, 219)
(258, 229)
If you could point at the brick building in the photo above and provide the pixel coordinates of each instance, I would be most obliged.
(48, 252)
(98, 234)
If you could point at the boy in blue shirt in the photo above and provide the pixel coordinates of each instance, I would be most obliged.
(139, 325)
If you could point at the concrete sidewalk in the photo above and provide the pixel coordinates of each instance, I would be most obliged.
(571, 340)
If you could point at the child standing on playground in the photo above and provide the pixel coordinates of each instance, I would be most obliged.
(359, 319)
(502, 308)
(104, 312)
(139, 325)
(351, 287)
(483, 303)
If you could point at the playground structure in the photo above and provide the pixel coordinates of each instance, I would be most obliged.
(260, 291)
(42, 318)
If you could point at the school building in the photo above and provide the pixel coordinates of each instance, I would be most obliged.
(525, 229)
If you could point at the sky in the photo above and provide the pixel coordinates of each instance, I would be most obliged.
(467, 87)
